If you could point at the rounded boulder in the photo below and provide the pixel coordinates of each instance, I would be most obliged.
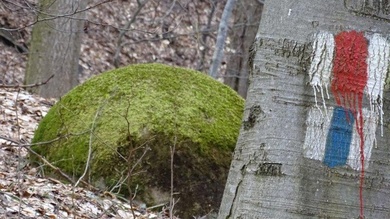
(119, 129)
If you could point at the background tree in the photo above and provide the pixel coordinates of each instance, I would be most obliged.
(247, 15)
(221, 37)
(274, 172)
(55, 46)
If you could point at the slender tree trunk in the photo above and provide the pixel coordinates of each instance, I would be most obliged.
(220, 44)
(55, 46)
(247, 15)
(301, 155)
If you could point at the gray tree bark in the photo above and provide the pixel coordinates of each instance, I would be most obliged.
(55, 47)
(247, 15)
(221, 37)
(270, 176)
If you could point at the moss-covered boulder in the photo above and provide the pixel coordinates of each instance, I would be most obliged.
(127, 121)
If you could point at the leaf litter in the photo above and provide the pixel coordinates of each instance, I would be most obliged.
(23, 193)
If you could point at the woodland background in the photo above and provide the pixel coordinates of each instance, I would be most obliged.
(181, 33)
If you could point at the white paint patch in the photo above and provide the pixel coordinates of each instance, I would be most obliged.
(369, 130)
(317, 131)
(320, 72)
(378, 63)
(321, 64)
(289, 12)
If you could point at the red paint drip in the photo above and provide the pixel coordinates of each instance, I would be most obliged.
(349, 79)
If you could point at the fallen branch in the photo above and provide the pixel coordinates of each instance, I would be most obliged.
(56, 169)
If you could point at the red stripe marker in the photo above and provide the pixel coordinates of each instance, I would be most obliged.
(349, 80)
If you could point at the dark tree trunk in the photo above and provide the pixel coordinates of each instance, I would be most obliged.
(247, 15)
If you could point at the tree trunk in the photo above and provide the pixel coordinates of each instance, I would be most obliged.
(247, 17)
(301, 155)
(221, 37)
(55, 47)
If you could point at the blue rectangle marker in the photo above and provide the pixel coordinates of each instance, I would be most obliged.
(339, 137)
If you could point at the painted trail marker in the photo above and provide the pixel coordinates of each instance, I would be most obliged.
(349, 65)
(352, 65)
(342, 146)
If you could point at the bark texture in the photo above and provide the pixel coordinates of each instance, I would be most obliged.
(55, 47)
(270, 177)
(247, 16)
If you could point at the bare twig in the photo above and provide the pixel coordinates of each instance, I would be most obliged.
(171, 199)
(18, 150)
(156, 206)
(171, 207)
(56, 16)
(28, 85)
(152, 39)
(205, 34)
(19, 144)
(90, 142)
(122, 180)
(172, 150)
(131, 167)
(123, 32)
(46, 162)
(56, 169)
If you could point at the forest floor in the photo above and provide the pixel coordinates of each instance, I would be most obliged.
(24, 193)
(176, 38)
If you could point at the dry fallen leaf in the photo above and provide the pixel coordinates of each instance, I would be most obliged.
(25, 195)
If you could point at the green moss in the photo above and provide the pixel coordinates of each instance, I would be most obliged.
(149, 105)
